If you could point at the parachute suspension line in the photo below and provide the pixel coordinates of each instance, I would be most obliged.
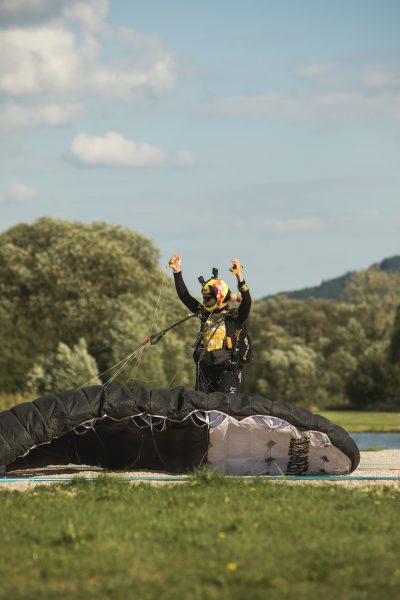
(152, 340)
(156, 447)
(131, 466)
(173, 377)
(130, 380)
(127, 358)
(201, 379)
(125, 363)
(158, 301)
(202, 382)
(137, 363)
(136, 353)
(136, 366)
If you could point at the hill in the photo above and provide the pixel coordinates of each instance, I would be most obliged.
(333, 289)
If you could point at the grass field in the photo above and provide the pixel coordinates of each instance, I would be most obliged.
(364, 421)
(209, 538)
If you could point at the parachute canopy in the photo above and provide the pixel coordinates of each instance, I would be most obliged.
(173, 430)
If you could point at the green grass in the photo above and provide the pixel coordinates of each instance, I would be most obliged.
(364, 421)
(209, 538)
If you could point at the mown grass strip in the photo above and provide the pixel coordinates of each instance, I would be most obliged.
(359, 421)
(210, 537)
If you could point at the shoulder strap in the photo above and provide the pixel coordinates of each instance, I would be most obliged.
(241, 343)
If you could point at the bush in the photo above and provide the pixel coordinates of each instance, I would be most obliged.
(374, 384)
(64, 369)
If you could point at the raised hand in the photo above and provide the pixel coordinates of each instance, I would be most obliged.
(236, 269)
(175, 263)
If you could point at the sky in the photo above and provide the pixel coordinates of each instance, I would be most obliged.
(263, 130)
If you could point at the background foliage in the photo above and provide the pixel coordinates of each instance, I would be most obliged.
(62, 282)
(75, 299)
(322, 353)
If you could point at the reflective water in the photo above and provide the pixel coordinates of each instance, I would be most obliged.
(376, 440)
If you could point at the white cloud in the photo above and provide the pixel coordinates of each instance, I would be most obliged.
(381, 78)
(91, 16)
(55, 63)
(316, 71)
(342, 106)
(38, 60)
(127, 83)
(16, 116)
(18, 192)
(184, 158)
(113, 150)
(129, 38)
(30, 11)
(346, 223)
(352, 76)
(18, 6)
(48, 60)
(340, 91)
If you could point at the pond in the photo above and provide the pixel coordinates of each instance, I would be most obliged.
(376, 440)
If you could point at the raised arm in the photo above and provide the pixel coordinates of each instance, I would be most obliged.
(191, 303)
(245, 305)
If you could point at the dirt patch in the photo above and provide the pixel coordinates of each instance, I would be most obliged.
(376, 468)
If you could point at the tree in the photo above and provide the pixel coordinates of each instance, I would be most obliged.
(61, 281)
(394, 346)
(375, 384)
(376, 296)
(63, 369)
(289, 375)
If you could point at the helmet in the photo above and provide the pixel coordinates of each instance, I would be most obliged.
(219, 289)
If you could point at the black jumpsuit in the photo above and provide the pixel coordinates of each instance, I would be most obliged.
(210, 378)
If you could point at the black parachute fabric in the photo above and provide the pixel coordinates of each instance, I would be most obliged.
(172, 430)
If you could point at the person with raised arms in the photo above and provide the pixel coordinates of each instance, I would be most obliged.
(222, 346)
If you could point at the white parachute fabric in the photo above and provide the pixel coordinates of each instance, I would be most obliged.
(265, 445)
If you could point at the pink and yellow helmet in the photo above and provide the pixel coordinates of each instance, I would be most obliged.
(217, 288)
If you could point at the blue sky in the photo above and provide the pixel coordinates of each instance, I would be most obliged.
(263, 130)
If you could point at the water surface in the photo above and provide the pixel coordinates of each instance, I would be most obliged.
(382, 441)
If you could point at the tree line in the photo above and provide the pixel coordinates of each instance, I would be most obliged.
(76, 299)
